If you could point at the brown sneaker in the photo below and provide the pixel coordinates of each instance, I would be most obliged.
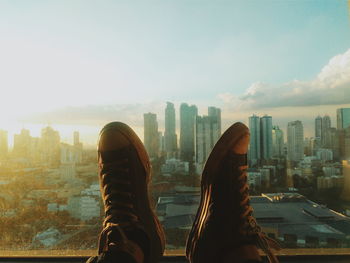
(130, 226)
(224, 221)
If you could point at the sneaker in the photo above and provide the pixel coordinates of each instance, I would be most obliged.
(224, 221)
(130, 228)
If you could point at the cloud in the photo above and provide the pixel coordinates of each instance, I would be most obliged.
(330, 87)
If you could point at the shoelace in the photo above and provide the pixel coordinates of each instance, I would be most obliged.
(118, 201)
(250, 226)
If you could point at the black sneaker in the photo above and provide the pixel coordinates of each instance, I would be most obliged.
(131, 231)
(224, 220)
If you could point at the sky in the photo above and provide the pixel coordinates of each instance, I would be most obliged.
(77, 65)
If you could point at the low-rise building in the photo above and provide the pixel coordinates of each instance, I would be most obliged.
(290, 218)
(94, 190)
(173, 166)
(324, 155)
(83, 207)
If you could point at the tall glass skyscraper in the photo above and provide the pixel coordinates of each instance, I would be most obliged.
(343, 118)
(260, 147)
(188, 116)
(207, 134)
(295, 140)
(254, 145)
(318, 127)
(215, 113)
(326, 125)
(170, 138)
(322, 126)
(277, 142)
(266, 137)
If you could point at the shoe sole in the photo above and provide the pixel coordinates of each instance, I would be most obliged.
(226, 142)
(147, 217)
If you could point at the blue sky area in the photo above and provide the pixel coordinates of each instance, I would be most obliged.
(90, 57)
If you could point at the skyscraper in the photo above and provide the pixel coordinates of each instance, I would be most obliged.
(322, 133)
(266, 137)
(50, 146)
(215, 113)
(161, 142)
(277, 142)
(170, 138)
(76, 138)
(295, 140)
(344, 143)
(21, 143)
(318, 132)
(3, 143)
(188, 116)
(254, 145)
(333, 136)
(207, 134)
(318, 127)
(78, 147)
(25, 146)
(151, 135)
(326, 125)
(343, 118)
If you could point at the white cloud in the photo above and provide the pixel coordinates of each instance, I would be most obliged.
(330, 87)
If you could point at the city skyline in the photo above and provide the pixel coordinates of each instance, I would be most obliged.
(90, 140)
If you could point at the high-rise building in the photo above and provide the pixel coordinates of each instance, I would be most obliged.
(188, 116)
(343, 118)
(318, 127)
(322, 126)
(21, 143)
(50, 146)
(254, 145)
(277, 142)
(3, 143)
(266, 137)
(25, 146)
(215, 113)
(295, 140)
(326, 125)
(170, 139)
(78, 147)
(161, 142)
(344, 143)
(346, 155)
(207, 134)
(151, 135)
(318, 133)
(261, 145)
(76, 138)
(333, 142)
(309, 146)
